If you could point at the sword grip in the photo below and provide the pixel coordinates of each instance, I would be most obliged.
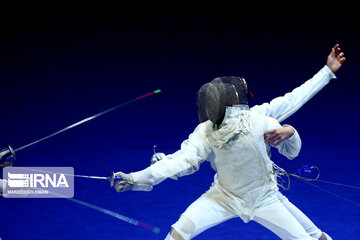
(113, 179)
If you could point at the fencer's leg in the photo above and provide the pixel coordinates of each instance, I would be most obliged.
(324, 236)
(278, 219)
(181, 230)
(206, 212)
(307, 224)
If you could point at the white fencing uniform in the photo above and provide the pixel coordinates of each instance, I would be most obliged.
(196, 148)
(245, 184)
(281, 108)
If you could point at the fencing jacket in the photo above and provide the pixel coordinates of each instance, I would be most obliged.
(196, 148)
(243, 167)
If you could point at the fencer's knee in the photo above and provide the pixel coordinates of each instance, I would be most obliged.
(174, 235)
(324, 236)
(185, 225)
(182, 229)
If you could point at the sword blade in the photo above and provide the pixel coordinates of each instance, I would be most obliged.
(87, 119)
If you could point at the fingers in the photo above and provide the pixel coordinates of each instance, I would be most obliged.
(118, 187)
(279, 140)
(122, 186)
(333, 50)
(275, 140)
(124, 183)
(341, 58)
(269, 135)
(336, 51)
(277, 136)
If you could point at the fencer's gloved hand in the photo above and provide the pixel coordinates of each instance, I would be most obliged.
(7, 155)
(126, 182)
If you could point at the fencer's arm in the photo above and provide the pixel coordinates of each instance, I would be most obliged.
(187, 160)
(292, 145)
(289, 147)
(276, 136)
(283, 107)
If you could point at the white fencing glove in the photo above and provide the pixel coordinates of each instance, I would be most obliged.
(125, 182)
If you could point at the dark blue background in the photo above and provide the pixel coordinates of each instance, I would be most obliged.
(58, 69)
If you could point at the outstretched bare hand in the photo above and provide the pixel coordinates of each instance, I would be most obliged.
(335, 58)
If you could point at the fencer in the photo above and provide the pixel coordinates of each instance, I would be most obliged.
(245, 184)
(283, 107)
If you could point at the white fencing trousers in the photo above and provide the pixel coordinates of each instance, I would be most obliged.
(307, 224)
(280, 217)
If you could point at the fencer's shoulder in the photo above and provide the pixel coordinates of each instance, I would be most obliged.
(203, 127)
(261, 118)
(258, 115)
(271, 123)
(255, 108)
(266, 118)
(263, 109)
(199, 135)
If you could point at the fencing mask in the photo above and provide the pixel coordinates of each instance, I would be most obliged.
(215, 96)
